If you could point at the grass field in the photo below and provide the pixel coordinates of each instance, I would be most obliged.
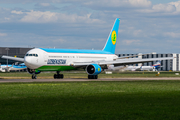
(82, 74)
(91, 100)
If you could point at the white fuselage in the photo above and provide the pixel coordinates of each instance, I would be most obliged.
(37, 58)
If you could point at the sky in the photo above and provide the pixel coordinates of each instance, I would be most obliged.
(146, 26)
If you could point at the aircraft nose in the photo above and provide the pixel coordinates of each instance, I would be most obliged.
(27, 61)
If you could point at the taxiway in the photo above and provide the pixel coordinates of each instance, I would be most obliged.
(84, 80)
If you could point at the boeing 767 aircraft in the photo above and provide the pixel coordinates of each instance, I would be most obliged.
(93, 61)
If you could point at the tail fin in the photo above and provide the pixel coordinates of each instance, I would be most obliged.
(157, 64)
(111, 41)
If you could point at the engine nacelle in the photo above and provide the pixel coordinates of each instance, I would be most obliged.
(30, 71)
(93, 69)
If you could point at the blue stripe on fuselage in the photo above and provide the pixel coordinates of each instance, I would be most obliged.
(75, 51)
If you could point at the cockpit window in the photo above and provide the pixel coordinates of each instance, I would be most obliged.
(35, 55)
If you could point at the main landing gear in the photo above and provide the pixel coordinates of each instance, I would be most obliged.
(92, 76)
(58, 76)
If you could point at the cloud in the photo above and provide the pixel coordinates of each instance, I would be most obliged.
(89, 22)
(59, 41)
(129, 42)
(105, 4)
(48, 17)
(177, 5)
(167, 8)
(3, 34)
(164, 8)
(17, 12)
(172, 34)
(137, 32)
(44, 4)
(39, 17)
(45, 7)
(98, 39)
(140, 3)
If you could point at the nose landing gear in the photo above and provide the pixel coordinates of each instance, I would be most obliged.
(58, 76)
(34, 76)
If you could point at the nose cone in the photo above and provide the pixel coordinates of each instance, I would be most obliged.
(28, 62)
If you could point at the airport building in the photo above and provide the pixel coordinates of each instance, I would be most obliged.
(12, 51)
(167, 65)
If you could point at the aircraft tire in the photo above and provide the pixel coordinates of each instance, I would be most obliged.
(55, 76)
(92, 76)
(34, 77)
(89, 77)
(61, 76)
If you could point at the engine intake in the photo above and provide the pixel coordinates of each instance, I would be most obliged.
(93, 69)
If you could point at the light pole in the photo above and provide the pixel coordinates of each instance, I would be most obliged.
(7, 55)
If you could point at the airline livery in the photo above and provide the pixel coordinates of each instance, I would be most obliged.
(93, 61)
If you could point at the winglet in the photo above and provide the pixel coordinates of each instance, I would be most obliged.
(111, 41)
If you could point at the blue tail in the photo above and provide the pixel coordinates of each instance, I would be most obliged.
(111, 41)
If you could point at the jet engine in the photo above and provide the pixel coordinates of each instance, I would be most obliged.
(30, 71)
(93, 69)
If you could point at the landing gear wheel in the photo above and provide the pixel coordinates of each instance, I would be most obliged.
(58, 76)
(55, 76)
(92, 76)
(34, 77)
(61, 76)
(96, 77)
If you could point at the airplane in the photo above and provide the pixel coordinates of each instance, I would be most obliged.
(93, 61)
(154, 67)
(8, 68)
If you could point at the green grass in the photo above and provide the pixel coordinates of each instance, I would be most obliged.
(91, 100)
(82, 74)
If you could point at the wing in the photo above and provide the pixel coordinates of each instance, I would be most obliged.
(13, 58)
(119, 62)
(131, 56)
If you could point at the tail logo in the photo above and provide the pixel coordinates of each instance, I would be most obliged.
(113, 37)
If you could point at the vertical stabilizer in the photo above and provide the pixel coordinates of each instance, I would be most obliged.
(157, 64)
(111, 41)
